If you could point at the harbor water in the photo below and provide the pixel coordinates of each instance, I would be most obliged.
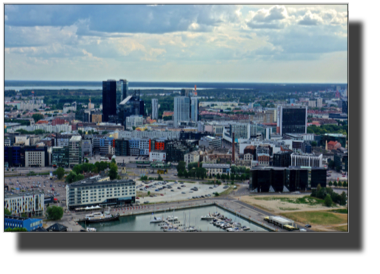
(186, 217)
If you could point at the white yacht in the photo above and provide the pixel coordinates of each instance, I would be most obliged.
(172, 218)
(156, 220)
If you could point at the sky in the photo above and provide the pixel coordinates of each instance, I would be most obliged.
(179, 43)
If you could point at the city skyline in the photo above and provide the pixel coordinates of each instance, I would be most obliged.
(177, 43)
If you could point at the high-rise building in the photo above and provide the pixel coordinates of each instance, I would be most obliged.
(154, 109)
(194, 109)
(109, 98)
(124, 89)
(75, 150)
(291, 119)
(181, 110)
(132, 105)
(319, 102)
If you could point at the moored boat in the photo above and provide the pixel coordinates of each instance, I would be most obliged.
(99, 217)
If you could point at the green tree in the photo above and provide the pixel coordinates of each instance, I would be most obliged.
(335, 183)
(113, 161)
(159, 178)
(343, 198)
(218, 176)
(71, 177)
(7, 212)
(60, 172)
(54, 212)
(181, 166)
(105, 132)
(313, 143)
(331, 164)
(148, 193)
(78, 177)
(186, 174)
(180, 173)
(16, 229)
(338, 168)
(216, 194)
(80, 132)
(345, 184)
(78, 169)
(330, 183)
(328, 200)
(113, 171)
(339, 183)
(37, 117)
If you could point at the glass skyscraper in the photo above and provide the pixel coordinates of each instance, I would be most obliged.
(181, 110)
(109, 98)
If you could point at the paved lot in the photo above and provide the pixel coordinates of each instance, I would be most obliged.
(176, 194)
(335, 175)
(38, 182)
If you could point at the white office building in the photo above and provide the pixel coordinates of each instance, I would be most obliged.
(35, 158)
(319, 102)
(157, 156)
(308, 160)
(30, 203)
(100, 191)
(134, 121)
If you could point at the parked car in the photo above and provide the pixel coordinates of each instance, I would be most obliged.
(183, 192)
(308, 226)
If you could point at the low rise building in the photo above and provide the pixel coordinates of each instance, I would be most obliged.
(210, 142)
(30, 224)
(29, 203)
(214, 169)
(157, 156)
(95, 191)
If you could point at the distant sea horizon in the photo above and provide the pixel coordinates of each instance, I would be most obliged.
(26, 85)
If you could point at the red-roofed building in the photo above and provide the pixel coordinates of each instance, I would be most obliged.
(40, 122)
(58, 121)
(333, 145)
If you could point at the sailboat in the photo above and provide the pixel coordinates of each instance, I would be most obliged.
(155, 219)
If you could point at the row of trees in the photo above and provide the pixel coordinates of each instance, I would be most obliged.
(327, 129)
(329, 196)
(76, 174)
(340, 184)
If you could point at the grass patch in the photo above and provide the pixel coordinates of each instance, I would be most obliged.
(341, 211)
(227, 191)
(343, 228)
(288, 208)
(307, 200)
(316, 217)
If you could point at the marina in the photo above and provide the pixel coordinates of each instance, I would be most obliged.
(209, 218)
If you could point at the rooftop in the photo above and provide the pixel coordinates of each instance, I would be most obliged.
(97, 181)
(76, 139)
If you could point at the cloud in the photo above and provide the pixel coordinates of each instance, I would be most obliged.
(264, 26)
(310, 19)
(269, 15)
(123, 18)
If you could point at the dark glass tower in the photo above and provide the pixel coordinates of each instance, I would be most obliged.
(109, 99)
(292, 119)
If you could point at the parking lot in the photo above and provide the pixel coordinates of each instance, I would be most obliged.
(333, 175)
(175, 191)
(23, 184)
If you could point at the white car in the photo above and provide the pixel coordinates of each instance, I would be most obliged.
(303, 230)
